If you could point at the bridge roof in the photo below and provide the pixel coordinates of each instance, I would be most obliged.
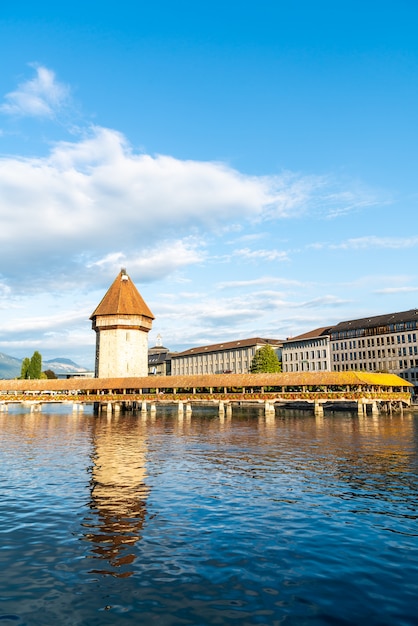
(286, 379)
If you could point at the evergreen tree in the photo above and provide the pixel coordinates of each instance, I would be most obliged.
(265, 360)
(25, 368)
(35, 367)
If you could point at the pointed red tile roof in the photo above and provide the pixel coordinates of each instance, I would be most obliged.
(122, 298)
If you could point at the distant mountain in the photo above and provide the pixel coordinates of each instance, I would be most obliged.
(10, 367)
(61, 365)
(62, 360)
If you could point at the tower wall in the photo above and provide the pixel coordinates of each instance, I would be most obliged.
(121, 346)
(121, 353)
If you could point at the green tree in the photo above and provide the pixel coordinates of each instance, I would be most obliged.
(32, 368)
(265, 360)
(24, 368)
(49, 374)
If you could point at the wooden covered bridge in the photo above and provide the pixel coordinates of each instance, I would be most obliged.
(365, 389)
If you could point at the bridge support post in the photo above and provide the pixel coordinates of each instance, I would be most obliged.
(375, 410)
(144, 407)
(180, 411)
(269, 408)
(318, 409)
(189, 408)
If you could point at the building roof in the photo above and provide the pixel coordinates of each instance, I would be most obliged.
(122, 298)
(317, 332)
(156, 358)
(378, 320)
(230, 345)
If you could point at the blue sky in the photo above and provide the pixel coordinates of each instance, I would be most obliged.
(253, 165)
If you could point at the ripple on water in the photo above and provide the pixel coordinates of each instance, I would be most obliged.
(203, 521)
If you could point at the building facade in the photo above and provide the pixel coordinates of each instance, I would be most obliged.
(383, 343)
(159, 359)
(232, 357)
(122, 321)
(309, 352)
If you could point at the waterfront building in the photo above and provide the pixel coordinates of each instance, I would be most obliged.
(309, 352)
(231, 357)
(122, 321)
(381, 343)
(159, 359)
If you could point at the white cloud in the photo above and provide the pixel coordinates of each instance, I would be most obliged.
(155, 262)
(264, 255)
(41, 96)
(45, 322)
(390, 290)
(372, 241)
(324, 301)
(95, 198)
(262, 280)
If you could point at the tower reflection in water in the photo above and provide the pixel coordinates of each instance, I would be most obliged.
(118, 493)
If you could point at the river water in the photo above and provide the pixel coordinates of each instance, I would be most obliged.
(141, 519)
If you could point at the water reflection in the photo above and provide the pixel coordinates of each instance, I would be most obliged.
(118, 493)
(255, 519)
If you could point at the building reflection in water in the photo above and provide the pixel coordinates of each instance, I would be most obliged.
(118, 493)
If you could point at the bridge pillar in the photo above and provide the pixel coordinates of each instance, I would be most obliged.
(144, 407)
(180, 411)
(318, 408)
(375, 410)
(189, 408)
(153, 408)
(268, 408)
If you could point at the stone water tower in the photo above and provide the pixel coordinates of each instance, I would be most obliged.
(122, 321)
